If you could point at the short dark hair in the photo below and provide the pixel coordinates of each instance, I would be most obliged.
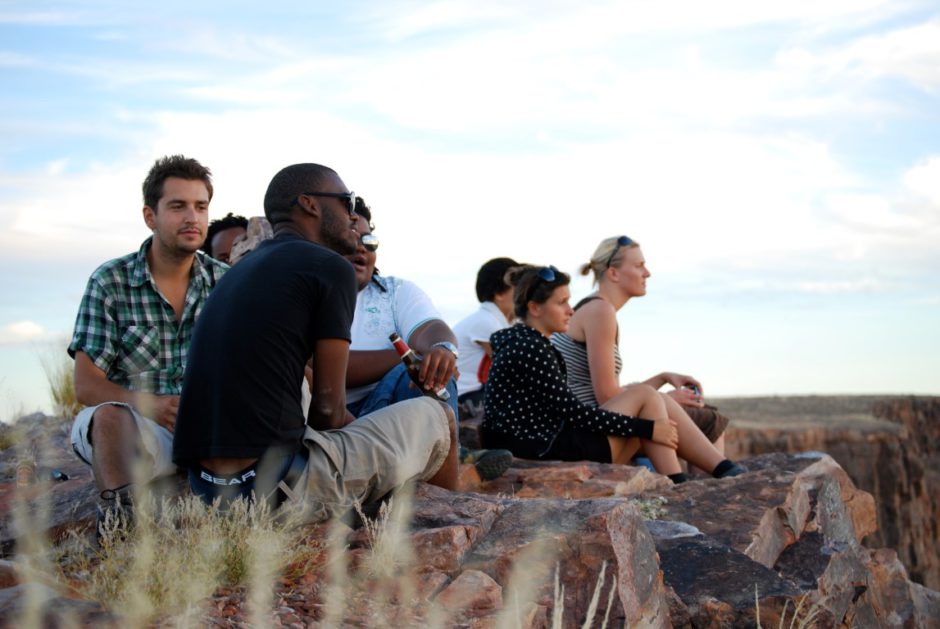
(363, 210)
(173, 166)
(528, 286)
(288, 184)
(491, 278)
(221, 224)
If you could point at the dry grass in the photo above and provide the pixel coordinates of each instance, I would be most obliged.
(60, 379)
(802, 618)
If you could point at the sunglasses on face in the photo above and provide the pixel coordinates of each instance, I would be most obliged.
(369, 242)
(349, 197)
(622, 242)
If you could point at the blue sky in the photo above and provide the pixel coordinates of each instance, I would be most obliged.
(779, 164)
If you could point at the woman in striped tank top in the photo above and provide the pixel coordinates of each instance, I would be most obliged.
(591, 345)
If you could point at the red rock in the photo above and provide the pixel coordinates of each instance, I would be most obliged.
(8, 577)
(471, 592)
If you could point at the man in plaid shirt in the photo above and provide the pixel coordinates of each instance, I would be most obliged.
(132, 335)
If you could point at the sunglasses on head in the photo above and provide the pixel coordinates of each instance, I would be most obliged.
(369, 241)
(622, 242)
(349, 197)
(547, 273)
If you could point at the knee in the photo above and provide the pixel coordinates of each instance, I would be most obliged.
(646, 391)
(108, 419)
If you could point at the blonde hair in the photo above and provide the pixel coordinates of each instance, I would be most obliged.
(607, 254)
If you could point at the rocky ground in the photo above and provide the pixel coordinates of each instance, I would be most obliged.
(796, 527)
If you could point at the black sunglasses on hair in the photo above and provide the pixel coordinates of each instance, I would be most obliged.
(369, 241)
(350, 198)
(623, 241)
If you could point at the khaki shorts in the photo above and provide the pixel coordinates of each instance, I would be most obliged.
(377, 453)
(709, 420)
(157, 441)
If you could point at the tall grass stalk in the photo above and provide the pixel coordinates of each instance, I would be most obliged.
(60, 379)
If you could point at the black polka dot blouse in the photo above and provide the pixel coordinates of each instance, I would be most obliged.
(527, 394)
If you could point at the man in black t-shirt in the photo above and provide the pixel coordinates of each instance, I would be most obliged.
(241, 428)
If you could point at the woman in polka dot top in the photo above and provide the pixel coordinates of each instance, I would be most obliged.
(531, 411)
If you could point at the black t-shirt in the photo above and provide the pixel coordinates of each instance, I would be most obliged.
(241, 389)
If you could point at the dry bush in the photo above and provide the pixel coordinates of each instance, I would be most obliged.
(167, 567)
(60, 378)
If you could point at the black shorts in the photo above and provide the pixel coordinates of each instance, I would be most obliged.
(579, 445)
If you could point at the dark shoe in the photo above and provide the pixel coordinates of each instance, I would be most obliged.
(734, 470)
(490, 464)
(115, 516)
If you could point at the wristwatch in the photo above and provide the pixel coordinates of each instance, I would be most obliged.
(450, 347)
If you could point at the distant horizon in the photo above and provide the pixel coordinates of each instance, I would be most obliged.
(779, 163)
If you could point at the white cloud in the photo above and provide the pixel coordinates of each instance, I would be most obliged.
(20, 332)
(923, 180)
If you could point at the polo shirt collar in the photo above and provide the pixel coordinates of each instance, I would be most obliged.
(494, 310)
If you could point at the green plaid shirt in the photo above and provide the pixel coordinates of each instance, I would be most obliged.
(130, 331)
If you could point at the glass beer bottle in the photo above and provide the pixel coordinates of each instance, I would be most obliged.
(413, 365)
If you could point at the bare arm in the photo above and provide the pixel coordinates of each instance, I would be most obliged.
(487, 348)
(439, 364)
(328, 407)
(368, 366)
(599, 322)
(93, 387)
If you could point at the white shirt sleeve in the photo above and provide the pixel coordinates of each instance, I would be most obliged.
(412, 308)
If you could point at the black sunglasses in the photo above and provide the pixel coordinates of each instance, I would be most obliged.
(369, 241)
(350, 198)
(623, 241)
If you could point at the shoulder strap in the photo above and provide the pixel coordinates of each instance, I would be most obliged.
(586, 300)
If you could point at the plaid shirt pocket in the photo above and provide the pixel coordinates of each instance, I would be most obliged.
(140, 350)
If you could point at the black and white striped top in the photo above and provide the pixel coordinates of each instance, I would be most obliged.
(579, 371)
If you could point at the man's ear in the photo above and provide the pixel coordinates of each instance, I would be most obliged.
(150, 217)
(308, 205)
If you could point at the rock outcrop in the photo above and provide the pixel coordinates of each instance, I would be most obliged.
(623, 543)
(890, 447)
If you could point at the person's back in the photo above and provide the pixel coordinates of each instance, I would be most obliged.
(245, 411)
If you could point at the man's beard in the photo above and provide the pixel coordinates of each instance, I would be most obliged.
(337, 234)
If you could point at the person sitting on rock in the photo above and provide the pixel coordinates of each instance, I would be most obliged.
(132, 335)
(473, 334)
(223, 234)
(377, 377)
(241, 430)
(591, 350)
(530, 409)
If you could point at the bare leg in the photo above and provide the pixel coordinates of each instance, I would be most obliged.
(662, 457)
(446, 477)
(641, 400)
(719, 444)
(694, 446)
(114, 437)
(622, 450)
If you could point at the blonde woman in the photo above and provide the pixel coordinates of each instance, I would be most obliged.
(591, 344)
(531, 411)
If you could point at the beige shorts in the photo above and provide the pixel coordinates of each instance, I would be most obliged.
(372, 456)
(157, 442)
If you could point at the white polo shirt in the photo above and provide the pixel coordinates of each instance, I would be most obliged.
(470, 332)
(401, 307)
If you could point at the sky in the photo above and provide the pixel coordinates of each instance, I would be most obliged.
(778, 162)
